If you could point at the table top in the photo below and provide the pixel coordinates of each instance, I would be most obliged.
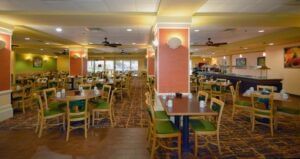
(224, 84)
(186, 106)
(88, 94)
(276, 96)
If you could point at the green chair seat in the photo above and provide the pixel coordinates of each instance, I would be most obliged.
(161, 115)
(51, 112)
(288, 110)
(202, 125)
(165, 127)
(101, 105)
(57, 105)
(243, 103)
(262, 113)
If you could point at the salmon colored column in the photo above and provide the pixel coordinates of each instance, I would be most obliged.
(150, 61)
(172, 64)
(78, 61)
(6, 110)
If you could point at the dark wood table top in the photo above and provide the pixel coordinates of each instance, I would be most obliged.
(186, 106)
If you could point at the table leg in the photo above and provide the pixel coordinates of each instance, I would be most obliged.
(177, 121)
(185, 134)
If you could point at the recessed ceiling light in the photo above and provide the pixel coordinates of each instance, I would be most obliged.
(261, 31)
(47, 43)
(196, 30)
(245, 48)
(271, 44)
(224, 57)
(91, 43)
(133, 43)
(42, 49)
(129, 29)
(213, 53)
(27, 38)
(264, 54)
(58, 29)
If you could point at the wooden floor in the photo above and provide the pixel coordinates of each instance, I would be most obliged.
(106, 143)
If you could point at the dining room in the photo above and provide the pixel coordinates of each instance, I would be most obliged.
(152, 79)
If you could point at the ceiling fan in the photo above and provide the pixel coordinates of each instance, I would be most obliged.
(107, 43)
(123, 52)
(64, 52)
(211, 43)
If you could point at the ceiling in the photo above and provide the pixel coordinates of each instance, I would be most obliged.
(87, 22)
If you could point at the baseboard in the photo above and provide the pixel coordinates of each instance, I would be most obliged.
(6, 112)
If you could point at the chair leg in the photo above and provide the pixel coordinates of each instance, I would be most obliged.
(196, 146)
(68, 131)
(218, 140)
(85, 128)
(179, 146)
(64, 122)
(111, 120)
(38, 124)
(93, 118)
(276, 122)
(233, 111)
(153, 148)
(41, 127)
(271, 126)
(23, 107)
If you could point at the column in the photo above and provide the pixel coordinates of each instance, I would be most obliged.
(78, 61)
(6, 110)
(172, 59)
(150, 61)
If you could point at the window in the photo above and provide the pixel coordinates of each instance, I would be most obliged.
(99, 66)
(109, 65)
(119, 65)
(91, 66)
(126, 65)
(134, 65)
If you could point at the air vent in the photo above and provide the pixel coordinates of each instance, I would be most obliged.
(94, 29)
(230, 29)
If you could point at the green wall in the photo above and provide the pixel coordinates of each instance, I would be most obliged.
(24, 63)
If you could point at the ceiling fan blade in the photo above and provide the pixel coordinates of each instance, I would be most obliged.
(218, 44)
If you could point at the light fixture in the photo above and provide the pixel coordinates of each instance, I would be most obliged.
(147, 56)
(213, 53)
(42, 49)
(271, 44)
(224, 57)
(241, 55)
(27, 38)
(2, 44)
(264, 54)
(47, 43)
(245, 48)
(155, 42)
(196, 30)
(133, 43)
(261, 31)
(174, 43)
(129, 29)
(56, 57)
(58, 29)
(91, 43)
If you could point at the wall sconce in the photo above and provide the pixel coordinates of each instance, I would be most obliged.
(241, 55)
(155, 43)
(264, 54)
(174, 43)
(76, 56)
(2, 44)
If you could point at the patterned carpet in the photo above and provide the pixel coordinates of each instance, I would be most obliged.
(237, 140)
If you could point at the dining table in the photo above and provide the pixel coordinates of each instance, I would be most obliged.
(185, 106)
(87, 94)
(276, 96)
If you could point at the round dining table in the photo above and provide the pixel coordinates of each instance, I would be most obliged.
(87, 94)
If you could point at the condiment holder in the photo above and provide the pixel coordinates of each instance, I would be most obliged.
(170, 103)
(202, 104)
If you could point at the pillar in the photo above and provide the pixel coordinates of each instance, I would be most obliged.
(172, 63)
(150, 61)
(6, 110)
(78, 61)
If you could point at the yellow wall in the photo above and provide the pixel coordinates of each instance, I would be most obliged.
(63, 63)
(196, 60)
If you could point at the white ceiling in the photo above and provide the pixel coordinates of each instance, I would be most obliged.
(219, 34)
(82, 35)
(250, 6)
(80, 5)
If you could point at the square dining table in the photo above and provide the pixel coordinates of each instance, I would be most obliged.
(185, 107)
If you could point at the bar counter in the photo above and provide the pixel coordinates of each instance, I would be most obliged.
(247, 80)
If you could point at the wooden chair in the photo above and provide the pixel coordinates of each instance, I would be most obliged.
(202, 127)
(239, 104)
(202, 95)
(237, 88)
(217, 91)
(158, 114)
(48, 114)
(126, 86)
(193, 84)
(104, 107)
(49, 97)
(290, 113)
(77, 112)
(86, 86)
(265, 88)
(23, 97)
(262, 108)
(162, 130)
